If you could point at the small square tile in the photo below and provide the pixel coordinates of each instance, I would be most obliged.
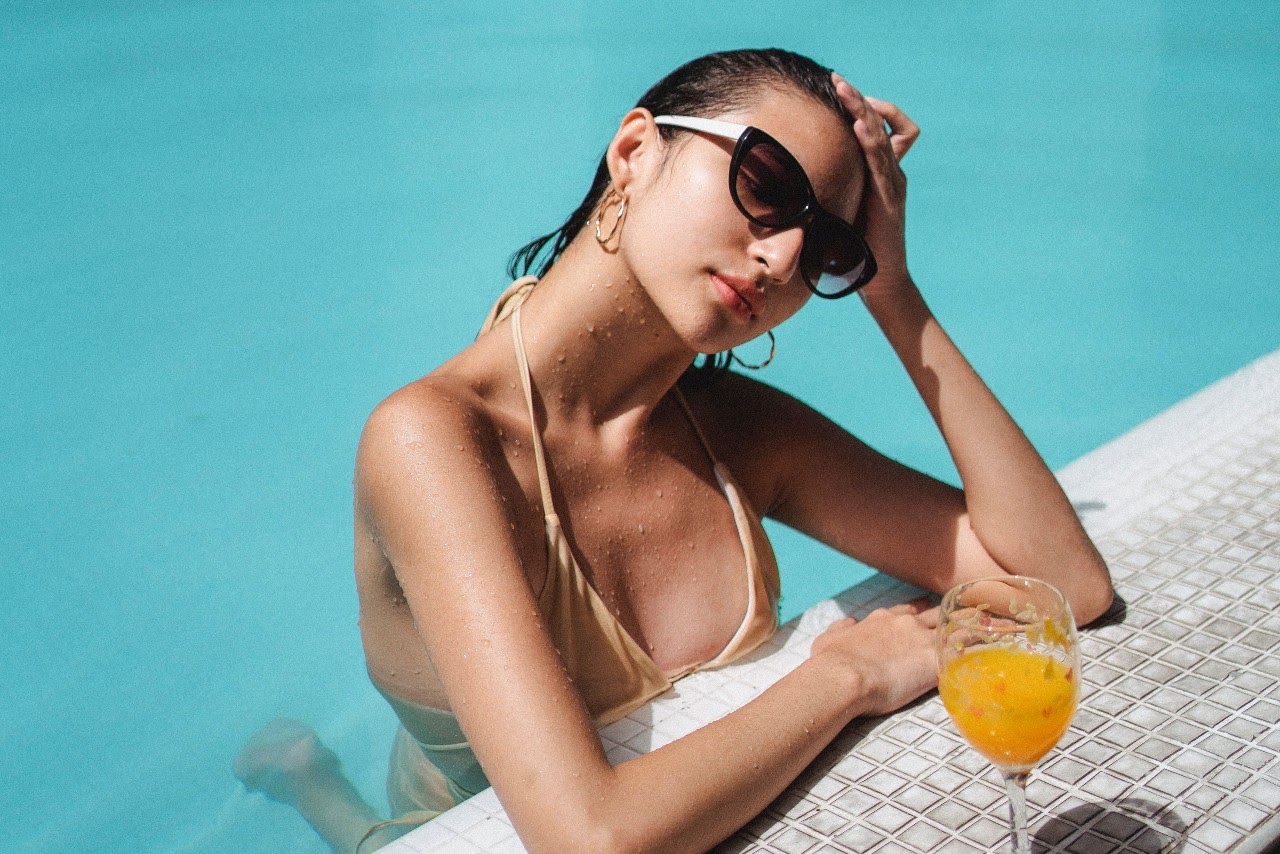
(1182, 732)
(883, 783)
(1215, 835)
(1264, 792)
(1204, 797)
(1067, 769)
(825, 822)
(945, 779)
(1170, 783)
(1105, 785)
(978, 795)
(856, 803)
(917, 798)
(912, 764)
(1204, 713)
(1169, 699)
(951, 814)
(1242, 815)
(1116, 827)
(859, 837)
(1221, 746)
(987, 832)
(793, 840)
(1131, 767)
(922, 836)
(889, 818)
(792, 806)
(1120, 735)
(1243, 728)
(1194, 762)
(1257, 759)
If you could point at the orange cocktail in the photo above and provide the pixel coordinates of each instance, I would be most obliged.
(1011, 704)
(1008, 673)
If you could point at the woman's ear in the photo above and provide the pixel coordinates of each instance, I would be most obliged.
(633, 149)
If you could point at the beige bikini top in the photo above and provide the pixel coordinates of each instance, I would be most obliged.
(613, 673)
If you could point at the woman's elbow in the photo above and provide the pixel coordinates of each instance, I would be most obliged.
(594, 825)
(1094, 597)
(591, 837)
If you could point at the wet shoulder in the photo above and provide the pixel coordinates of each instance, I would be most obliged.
(435, 421)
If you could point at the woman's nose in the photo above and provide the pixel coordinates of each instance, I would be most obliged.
(778, 251)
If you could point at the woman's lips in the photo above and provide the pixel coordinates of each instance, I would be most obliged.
(740, 295)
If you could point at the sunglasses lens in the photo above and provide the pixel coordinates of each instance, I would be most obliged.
(771, 188)
(770, 185)
(835, 260)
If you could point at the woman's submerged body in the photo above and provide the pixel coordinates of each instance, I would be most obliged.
(451, 541)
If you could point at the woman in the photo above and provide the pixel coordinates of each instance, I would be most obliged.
(564, 517)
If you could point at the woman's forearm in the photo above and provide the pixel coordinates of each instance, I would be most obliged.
(696, 791)
(1015, 506)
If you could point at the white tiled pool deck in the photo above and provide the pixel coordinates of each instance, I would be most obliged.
(1176, 746)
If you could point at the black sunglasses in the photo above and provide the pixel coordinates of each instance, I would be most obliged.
(771, 189)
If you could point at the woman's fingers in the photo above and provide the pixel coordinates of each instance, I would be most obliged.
(868, 127)
(923, 607)
(903, 132)
(884, 202)
(915, 606)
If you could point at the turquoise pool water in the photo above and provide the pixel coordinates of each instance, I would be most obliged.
(230, 228)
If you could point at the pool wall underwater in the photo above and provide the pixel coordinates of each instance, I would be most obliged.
(230, 228)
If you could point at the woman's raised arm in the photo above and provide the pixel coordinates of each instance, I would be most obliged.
(1012, 515)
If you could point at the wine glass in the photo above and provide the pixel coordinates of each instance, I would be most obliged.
(1008, 674)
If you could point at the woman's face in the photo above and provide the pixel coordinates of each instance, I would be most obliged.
(719, 278)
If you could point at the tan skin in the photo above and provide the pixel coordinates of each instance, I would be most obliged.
(450, 544)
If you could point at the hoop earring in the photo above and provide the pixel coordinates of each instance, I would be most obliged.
(773, 349)
(617, 223)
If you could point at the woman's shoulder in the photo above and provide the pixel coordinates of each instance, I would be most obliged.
(441, 415)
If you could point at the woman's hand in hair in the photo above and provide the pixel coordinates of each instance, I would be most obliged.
(884, 199)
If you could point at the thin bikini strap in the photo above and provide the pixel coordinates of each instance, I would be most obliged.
(522, 361)
(742, 522)
(697, 431)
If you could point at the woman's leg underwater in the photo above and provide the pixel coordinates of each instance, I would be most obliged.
(286, 761)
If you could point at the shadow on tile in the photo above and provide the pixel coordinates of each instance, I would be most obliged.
(1097, 828)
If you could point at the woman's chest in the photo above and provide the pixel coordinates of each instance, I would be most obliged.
(660, 544)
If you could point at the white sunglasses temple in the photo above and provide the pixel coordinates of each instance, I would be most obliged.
(715, 127)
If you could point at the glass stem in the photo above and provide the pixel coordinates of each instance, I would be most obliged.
(1015, 782)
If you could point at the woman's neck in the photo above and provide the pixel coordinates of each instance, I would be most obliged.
(598, 348)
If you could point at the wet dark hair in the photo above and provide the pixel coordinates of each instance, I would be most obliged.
(708, 86)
